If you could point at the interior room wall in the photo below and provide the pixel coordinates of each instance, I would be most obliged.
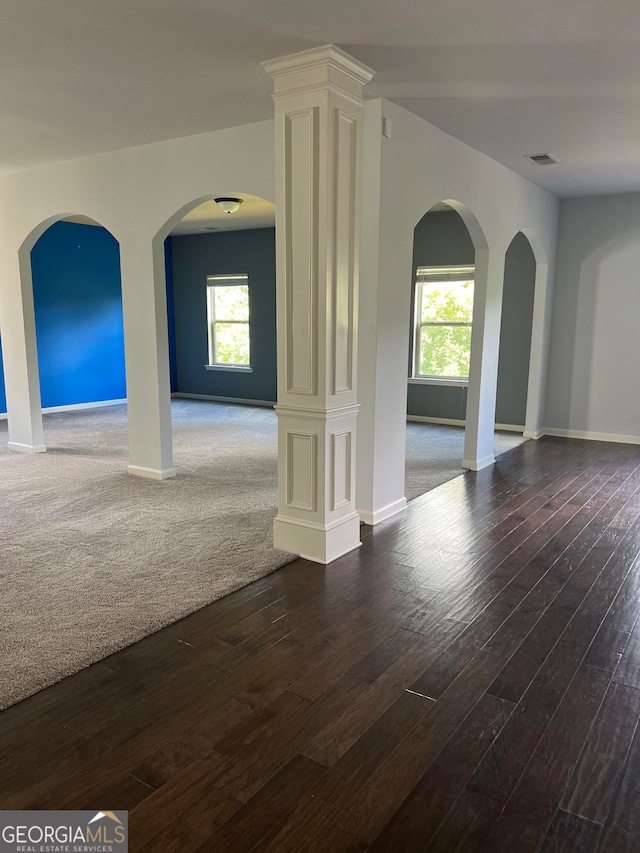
(404, 176)
(78, 309)
(231, 252)
(594, 356)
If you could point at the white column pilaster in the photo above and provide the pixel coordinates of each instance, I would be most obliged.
(318, 111)
(483, 371)
(146, 344)
(20, 354)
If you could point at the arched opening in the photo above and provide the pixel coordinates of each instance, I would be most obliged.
(516, 325)
(70, 275)
(218, 264)
(219, 274)
(75, 269)
(448, 247)
(443, 269)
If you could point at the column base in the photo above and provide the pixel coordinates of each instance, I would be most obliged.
(478, 464)
(377, 515)
(151, 473)
(26, 448)
(320, 544)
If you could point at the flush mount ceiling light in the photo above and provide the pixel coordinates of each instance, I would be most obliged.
(228, 204)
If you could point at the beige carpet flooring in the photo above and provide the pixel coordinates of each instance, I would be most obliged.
(93, 559)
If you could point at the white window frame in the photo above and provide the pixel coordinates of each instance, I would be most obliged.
(422, 276)
(213, 282)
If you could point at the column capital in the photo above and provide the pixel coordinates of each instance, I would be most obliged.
(319, 66)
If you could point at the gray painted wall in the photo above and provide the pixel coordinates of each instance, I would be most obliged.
(595, 355)
(194, 258)
(442, 239)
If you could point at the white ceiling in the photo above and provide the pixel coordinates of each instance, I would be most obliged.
(254, 212)
(510, 78)
(206, 218)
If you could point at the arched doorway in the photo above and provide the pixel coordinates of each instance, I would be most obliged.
(442, 311)
(220, 279)
(69, 352)
(75, 270)
(221, 298)
(516, 324)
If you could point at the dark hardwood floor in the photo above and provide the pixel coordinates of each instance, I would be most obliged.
(469, 680)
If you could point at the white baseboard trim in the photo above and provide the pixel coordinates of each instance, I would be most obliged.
(423, 419)
(535, 434)
(312, 558)
(616, 438)
(382, 514)
(26, 448)
(151, 473)
(76, 406)
(478, 464)
(99, 404)
(242, 401)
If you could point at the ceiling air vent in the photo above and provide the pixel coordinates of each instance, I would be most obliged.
(541, 159)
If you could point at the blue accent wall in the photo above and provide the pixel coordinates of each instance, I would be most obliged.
(78, 310)
(232, 252)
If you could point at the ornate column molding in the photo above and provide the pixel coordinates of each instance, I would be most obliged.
(318, 111)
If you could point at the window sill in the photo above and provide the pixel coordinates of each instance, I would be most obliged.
(454, 383)
(229, 368)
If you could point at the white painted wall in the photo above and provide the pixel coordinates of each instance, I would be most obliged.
(404, 176)
(595, 355)
(140, 187)
(137, 193)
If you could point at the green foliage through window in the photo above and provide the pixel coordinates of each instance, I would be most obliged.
(444, 312)
(228, 320)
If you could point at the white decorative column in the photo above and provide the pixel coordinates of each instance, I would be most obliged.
(318, 112)
(146, 343)
(20, 354)
(483, 370)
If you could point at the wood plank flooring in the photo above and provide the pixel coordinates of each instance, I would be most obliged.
(468, 680)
